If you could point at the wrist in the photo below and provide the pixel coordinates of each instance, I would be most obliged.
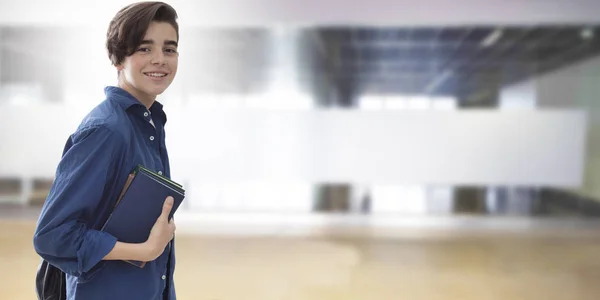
(127, 251)
(147, 250)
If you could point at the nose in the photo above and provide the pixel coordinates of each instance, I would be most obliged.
(158, 58)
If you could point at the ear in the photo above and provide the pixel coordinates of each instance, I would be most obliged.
(119, 67)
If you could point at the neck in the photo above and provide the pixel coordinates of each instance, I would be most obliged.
(145, 99)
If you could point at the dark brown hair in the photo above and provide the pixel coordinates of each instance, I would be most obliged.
(127, 29)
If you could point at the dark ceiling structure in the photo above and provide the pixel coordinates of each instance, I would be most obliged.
(470, 63)
(461, 61)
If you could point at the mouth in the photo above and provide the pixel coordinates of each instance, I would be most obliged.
(156, 74)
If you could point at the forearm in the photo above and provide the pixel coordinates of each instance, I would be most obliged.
(128, 251)
(72, 247)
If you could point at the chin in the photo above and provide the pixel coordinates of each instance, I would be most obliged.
(156, 91)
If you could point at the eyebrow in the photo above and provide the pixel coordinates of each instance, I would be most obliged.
(167, 42)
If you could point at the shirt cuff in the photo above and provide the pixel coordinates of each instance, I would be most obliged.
(96, 246)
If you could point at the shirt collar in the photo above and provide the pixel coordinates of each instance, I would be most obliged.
(127, 101)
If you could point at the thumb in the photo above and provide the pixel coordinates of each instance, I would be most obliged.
(167, 206)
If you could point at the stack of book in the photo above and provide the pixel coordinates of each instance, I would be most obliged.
(140, 204)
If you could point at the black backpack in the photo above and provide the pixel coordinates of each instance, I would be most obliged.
(50, 282)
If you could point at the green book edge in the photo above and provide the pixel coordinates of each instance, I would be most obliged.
(158, 176)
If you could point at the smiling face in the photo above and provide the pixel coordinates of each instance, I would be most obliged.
(151, 68)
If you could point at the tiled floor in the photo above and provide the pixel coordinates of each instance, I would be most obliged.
(521, 265)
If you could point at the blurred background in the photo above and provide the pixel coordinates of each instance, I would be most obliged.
(333, 150)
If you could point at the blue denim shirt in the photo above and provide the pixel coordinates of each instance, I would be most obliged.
(111, 140)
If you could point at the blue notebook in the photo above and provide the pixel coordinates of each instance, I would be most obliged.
(140, 204)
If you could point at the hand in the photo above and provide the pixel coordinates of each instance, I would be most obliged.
(162, 232)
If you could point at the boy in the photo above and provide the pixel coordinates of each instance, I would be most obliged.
(124, 130)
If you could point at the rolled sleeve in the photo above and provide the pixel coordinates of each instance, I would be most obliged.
(96, 246)
(80, 196)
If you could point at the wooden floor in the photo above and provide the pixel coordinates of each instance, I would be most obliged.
(293, 268)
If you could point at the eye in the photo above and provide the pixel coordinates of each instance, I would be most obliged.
(143, 49)
(170, 50)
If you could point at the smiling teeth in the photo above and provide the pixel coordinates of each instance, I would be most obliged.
(156, 74)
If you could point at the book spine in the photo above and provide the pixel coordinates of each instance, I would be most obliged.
(127, 183)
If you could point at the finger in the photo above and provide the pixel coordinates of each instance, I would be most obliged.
(167, 206)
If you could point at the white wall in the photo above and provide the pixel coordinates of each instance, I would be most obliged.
(423, 148)
(577, 86)
(400, 148)
(574, 86)
(522, 95)
(315, 12)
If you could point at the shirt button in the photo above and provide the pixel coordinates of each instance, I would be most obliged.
(164, 277)
(145, 114)
(152, 138)
(159, 172)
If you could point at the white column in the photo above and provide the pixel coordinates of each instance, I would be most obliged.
(1, 55)
(26, 189)
(283, 88)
